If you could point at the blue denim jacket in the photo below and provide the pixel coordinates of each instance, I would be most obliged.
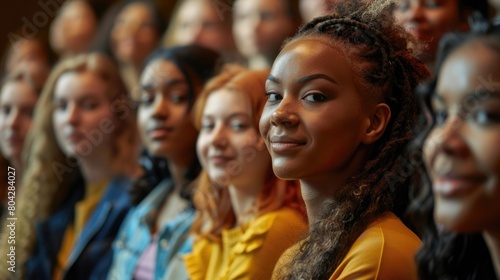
(135, 236)
(91, 255)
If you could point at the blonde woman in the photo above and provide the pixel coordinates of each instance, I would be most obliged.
(246, 216)
(18, 96)
(79, 157)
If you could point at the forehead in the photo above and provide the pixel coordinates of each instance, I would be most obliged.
(226, 102)
(254, 5)
(472, 66)
(313, 55)
(79, 84)
(160, 70)
(195, 7)
(16, 91)
(75, 8)
(137, 11)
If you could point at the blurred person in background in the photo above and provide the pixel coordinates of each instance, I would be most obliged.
(204, 23)
(261, 26)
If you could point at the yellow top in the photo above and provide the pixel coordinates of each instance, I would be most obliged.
(385, 250)
(249, 251)
(83, 209)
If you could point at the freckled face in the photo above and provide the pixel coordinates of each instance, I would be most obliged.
(314, 119)
(462, 153)
(229, 146)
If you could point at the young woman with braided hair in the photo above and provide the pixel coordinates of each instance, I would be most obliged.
(339, 114)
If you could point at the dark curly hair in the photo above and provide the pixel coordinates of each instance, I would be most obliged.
(198, 64)
(447, 255)
(386, 66)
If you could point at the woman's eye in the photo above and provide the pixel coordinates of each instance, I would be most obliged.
(28, 112)
(60, 106)
(178, 98)
(440, 117)
(207, 126)
(238, 126)
(89, 105)
(402, 6)
(483, 117)
(5, 110)
(146, 99)
(272, 96)
(315, 97)
(432, 4)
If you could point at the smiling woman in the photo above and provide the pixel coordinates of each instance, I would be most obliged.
(246, 217)
(458, 208)
(337, 119)
(428, 20)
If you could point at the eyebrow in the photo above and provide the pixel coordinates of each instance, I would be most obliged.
(305, 79)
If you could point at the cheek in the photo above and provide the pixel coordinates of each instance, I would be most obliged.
(486, 151)
(202, 148)
(142, 120)
(264, 123)
(443, 20)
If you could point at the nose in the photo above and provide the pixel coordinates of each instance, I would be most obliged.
(284, 115)
(14, 118)
(416, 12)
(72, 114)
(196, 33)
(449, 138)
(160, 108)
(219, 137)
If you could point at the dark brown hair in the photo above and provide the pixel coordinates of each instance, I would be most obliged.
(387, 68)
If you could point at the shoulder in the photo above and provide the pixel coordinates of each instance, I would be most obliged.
(286, 222)
(386, 249)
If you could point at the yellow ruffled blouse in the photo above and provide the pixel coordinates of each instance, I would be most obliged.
(249, 251)
(385, 250)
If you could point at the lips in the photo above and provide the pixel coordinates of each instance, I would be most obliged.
(160, 133)
(220, 160)
(454, 185)
(13, 139)
(418, 32)
(74, 137)
(285, 144)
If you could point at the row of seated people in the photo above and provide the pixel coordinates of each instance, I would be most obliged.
(248, 32)
(292, 172)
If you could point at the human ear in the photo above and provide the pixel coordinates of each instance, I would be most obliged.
(378, 122)
(463, 20)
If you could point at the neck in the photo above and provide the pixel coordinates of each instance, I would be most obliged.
(96, 170)
(178, 166)
(492, 239)
(243, 200)
(258, 62)
(316, 198)
(16, 162)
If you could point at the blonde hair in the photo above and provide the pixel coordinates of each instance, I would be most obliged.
(43, 187)
(215, 212)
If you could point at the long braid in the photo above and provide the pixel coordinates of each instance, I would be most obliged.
(389, 69)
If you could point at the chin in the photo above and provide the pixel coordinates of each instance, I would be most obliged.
(457, 223)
